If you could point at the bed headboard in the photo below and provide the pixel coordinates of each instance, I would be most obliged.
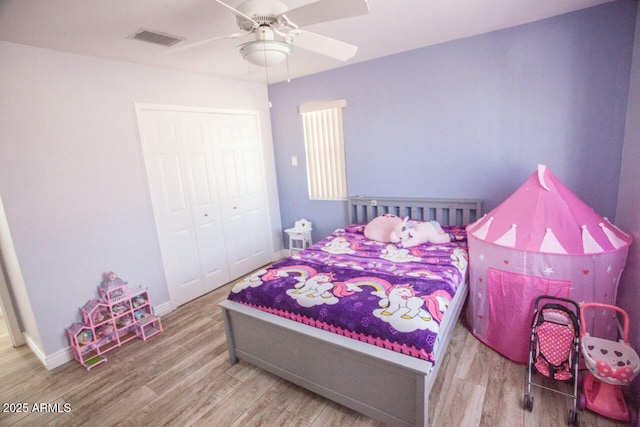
(445, 211)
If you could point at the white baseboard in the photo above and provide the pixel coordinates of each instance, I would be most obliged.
(35, 349)
(50, 361)
(281, 254)
(162, 309)
(58, 358)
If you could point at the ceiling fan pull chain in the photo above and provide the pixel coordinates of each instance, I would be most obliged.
(288, 74)
(266, 69)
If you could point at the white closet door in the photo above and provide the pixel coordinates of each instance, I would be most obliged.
(240, 175)
(205, 204)
(178, 159)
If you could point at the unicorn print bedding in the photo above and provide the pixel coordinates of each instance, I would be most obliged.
(364, 289)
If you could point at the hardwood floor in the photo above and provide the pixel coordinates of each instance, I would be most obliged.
(182, 377)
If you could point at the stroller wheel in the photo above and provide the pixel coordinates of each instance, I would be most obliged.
(574, 418)
(528, 402)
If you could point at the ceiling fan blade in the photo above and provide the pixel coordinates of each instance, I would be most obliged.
(326, 10)
(205, 41)
(238, 13)
(324, 45)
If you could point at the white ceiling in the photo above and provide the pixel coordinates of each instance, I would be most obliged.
(102, 28)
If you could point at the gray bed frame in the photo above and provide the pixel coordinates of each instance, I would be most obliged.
(352, 373)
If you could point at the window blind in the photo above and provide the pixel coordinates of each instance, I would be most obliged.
(324, 146)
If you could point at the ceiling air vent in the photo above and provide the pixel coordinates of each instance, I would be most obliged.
(156, 37)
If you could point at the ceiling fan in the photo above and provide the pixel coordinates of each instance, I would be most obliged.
(277, 29)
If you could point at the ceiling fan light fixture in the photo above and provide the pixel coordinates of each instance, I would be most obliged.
(265, 53)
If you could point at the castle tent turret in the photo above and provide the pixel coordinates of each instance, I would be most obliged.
(542, 240)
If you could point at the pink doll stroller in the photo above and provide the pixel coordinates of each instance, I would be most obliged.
(611, 364)
(554, 348)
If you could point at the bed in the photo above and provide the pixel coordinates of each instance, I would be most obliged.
(351, 365)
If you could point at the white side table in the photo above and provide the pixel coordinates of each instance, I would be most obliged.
(299, 235)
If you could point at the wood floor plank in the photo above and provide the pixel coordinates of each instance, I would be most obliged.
(334, 415)
(190, 399)
(242, 370)
(54, 414)
(183, 377)
(167, 379)
(448, 367)
(270, 417)
(503, 402)
(232, 407)
(209, 332)
(364, 421)
(305, 404)
(117, 411)
(474, 363)
(465, 401)
(271, 409)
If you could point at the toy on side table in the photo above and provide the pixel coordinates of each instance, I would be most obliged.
(112, 320)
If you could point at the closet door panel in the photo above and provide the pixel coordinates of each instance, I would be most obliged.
(170, 168)
(177, 224)
(238, 231)
(241, 178)
(185, 265)
(255, 221)
(231, 171)
(252, 183)
(178, 162)
(170, 197)
(197, 151)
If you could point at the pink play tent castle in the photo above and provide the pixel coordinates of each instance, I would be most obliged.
(541, 240)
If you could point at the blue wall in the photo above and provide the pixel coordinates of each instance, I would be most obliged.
(629, 205)
(473, 117)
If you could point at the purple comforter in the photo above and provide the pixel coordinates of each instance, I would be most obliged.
(363, 289)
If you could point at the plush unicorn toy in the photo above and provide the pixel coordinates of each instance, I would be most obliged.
(408, 234)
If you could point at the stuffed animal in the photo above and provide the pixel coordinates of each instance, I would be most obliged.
(381, 227)
(410, 233)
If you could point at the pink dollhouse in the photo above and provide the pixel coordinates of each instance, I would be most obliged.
(110, 321)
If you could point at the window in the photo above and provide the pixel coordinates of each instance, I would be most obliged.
(324, 146)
